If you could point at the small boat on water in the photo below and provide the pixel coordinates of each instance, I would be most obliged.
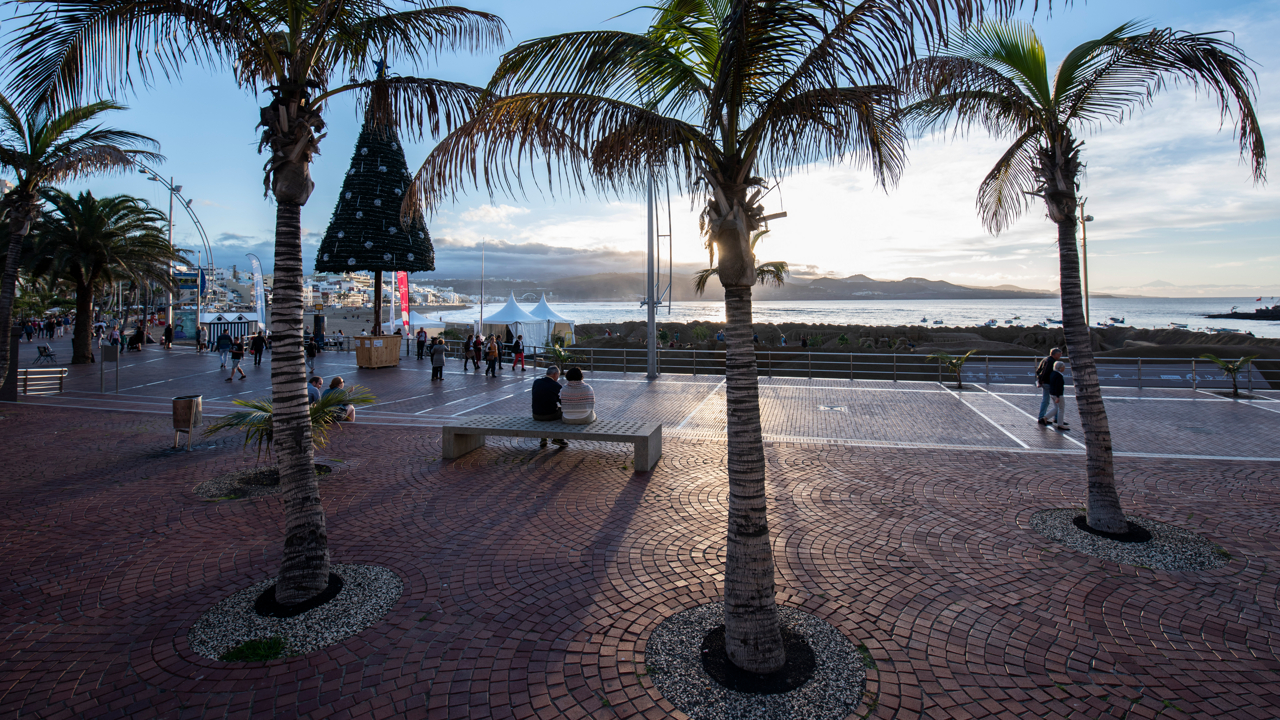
(1052, 321)
(937, 322)
(1008, 322)
(1118, 321)
(1178, 326)
(991, 323)
(1223, 330)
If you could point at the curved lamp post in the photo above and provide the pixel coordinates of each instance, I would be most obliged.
(176, 191)
(1084, 255)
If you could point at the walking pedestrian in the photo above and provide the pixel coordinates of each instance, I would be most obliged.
(477, 350)
(1057, 391)
(466, 351)
(517, 353)
(491, 357)
(422, 342)
(224, 346)
(1044, 370)
(237, 355)
(257, 346)
(311, 352)
(167, 337)
(202, 339)
(438, 351)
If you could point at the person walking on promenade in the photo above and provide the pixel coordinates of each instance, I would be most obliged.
(546, 401)
(224, 346)
(1044, 369)
(438, 351)
(466, 351)
(257, 346)
(202, 339)
(491, 357)
(422, 342)
(477, 350)
(237, 356)
(517, 353)
(311, 350)
(1057, 391)
(167, 337)
(577, 399)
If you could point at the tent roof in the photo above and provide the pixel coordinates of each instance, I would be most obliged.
(510, 313)
(543, 311)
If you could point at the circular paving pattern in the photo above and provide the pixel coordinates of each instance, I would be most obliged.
(368, 592)
(533, 581)
(1170, 547)
(673, 660)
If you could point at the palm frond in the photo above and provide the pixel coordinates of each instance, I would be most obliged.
(1012, 49)
(773, 273)
(414, 104)
(701, 277)
(634, 68)
(70, 50)
(573, 135)
(948, 90)
(1007, 191)
(361, 29)
(1130, 68)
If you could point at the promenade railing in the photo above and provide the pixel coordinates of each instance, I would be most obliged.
(1139, 372)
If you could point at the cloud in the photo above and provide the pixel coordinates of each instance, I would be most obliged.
(494, 214)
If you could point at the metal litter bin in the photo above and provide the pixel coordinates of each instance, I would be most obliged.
(186, 417)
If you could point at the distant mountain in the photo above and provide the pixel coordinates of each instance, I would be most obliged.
(630, 286)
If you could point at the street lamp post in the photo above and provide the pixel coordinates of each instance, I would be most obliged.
(173, 190)
(1084, 255)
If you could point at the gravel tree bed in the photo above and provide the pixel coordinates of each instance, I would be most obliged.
(368, 594)
(249, 483)
(1170, 547)
(674, 663)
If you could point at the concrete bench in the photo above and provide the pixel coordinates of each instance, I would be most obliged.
(466, 435)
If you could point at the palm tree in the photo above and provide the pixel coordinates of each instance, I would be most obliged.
(715, 97)
(953, 363)
(256, 420)
(90, 242)
(43, 147)
(1231, 369)
(299, 52)
(769, 273)
(996, 77)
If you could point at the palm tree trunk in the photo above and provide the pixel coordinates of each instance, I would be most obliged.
(1103, 508)
(8, 289)
(752, 639)
(304, 571)
(81, 343)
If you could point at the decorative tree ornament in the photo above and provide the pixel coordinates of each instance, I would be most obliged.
(361, 231)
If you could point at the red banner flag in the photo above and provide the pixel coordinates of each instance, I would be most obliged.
(402, 280)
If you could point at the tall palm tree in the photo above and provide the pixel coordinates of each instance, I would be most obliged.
(996, 76)
(40, 147)
(717, 97)
(300, 53)
(90, 242)
(767, 273)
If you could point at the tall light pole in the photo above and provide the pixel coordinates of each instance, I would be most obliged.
(173, 190)
(650, 295)
(1084, 255)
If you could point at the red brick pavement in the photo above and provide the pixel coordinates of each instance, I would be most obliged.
(532, 578)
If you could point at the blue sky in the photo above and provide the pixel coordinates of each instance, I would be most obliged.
(1173, 202)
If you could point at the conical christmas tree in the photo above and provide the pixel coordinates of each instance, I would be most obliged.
(366, 231)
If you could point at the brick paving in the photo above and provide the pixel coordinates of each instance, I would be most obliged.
(532, 578)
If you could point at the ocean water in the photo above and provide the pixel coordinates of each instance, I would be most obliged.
(1136, 312)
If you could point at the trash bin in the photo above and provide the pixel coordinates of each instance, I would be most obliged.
(186, 417)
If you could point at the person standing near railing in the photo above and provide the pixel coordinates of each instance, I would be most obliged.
(492, 353)
(438, 351)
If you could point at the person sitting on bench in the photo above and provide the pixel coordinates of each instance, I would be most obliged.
(546, 401)
(577, 399)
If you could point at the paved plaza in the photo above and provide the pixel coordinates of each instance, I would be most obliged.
(532, 578)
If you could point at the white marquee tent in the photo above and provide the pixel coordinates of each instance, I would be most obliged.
(518, 321)
(555, 323)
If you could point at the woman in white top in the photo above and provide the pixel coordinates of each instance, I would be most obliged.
(577, 400)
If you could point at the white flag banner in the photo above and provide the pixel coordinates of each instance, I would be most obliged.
(259, 292)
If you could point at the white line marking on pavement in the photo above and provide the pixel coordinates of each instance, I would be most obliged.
(983, 415)
(1024, 412)
(688, 417)
(477, 407)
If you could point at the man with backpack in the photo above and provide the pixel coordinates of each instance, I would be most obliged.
(1044, 374)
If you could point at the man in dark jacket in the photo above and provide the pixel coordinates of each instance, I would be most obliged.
(1044, 369)
(546, 401)
(257, 346)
